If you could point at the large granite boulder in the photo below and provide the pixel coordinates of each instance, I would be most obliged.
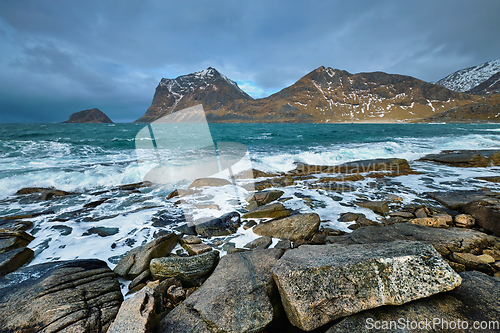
(225, 225)
(235, 298)
(465, 158)
(137, 260)
(137, 314)
(295, 227)
(64, 296)
(477, 299)
(320, 283)
(187, 269)
(445, 241)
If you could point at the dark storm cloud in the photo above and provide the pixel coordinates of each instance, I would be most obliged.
(59, 57)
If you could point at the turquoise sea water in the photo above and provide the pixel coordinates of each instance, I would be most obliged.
(89, 160)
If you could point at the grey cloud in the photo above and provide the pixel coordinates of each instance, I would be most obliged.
(114, 52)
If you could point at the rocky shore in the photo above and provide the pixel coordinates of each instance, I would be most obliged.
(436, 258)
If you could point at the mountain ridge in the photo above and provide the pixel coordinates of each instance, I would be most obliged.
(323, 95)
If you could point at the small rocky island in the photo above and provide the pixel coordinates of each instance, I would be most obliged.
(90, 116)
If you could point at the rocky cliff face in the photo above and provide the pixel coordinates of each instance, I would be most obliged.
(480, 80)
(323, 95)
(89, 116)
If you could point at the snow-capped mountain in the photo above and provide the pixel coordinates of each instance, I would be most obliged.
(323, 95)
(465, 80)
(208, 87)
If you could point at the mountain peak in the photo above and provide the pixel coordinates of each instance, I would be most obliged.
(467, 79)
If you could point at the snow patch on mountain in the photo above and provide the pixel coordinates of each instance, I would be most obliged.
(468, 78)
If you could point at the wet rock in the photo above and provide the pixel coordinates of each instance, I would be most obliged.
(12, 260)
(235, 298)
(194, 249)
(101, 231)
(96, 203)
(264, 197)
(300, 226)
(64, 230)
(181, 193)
(204, 182)
(11, 240)
(465, 158)
(274, 210)
(273, 182)
(189, 239)
(137, 314)
(348, 217)
(476, 299)
(457, 200)
(249, 224)
(6, 225)
(134, 186)
(334, 187)
(225, 225)
(69, 296)
(493, 179)
(445, 241)
(186, 229)
(464, 221)
(186, 269)
(259, 243)
(31, 190)
(140, 279)
(342, 178)
(436, 221)
(360, 166)
(343, 280)
(486, 213)
(176, 294)
(26, 216)
(137, 260)
(381, 207)
(472, 262)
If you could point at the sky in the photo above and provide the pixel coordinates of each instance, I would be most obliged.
(58, 57)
